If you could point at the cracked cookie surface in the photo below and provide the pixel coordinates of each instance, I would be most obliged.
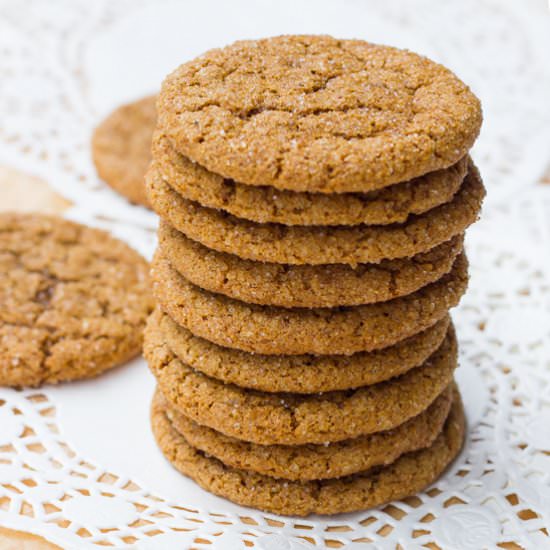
(304, 285)
(295, 331)
(292, 419)
(263, 204)
(409, 474)
(73, 300)
(121, 148)
(299, 373)
(314, 245)
(309, 462)
(313, 113)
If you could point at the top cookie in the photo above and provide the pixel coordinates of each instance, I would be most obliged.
(312, 113)
(73, 300)
(121, 148)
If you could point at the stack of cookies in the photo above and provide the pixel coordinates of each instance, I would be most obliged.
(313, 196)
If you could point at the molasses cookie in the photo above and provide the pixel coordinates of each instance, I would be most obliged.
(299, 373)
(310, 462)
(265, 204)
(121, 148)
(304, 285)
(73, 300)
(291, 419)
(317, 114)
(315, 245)
(409, 474)
(274, 330)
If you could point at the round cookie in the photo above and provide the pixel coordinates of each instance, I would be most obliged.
(273, 330)
(73, 300)
(283, 285)
(291, 419)
(316, 245)
(265, 204)
(298, 373)
(313, 113)
(309, 462)
(409, 474)
(121, 148)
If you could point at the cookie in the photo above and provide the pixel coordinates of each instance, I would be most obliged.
(310, 462)
(265, 204)
(409, 474)
(316, 245)
(273, 330)
(304, 285)
(121, 148)
(73, 300)
(317, 114)
(292, 419)
(298, 373)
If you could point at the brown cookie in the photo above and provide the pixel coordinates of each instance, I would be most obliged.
(121, 148)
(292, 419)
(310, 462)
(312, 113)
(298, 373)
(273, 330)
(265, 204)
(304, 285)
(409, 474)
(316, 244)
(73, 300)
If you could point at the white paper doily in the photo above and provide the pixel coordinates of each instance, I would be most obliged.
(77, 462)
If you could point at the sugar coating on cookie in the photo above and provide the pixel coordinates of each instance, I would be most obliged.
(266, 204)
(73, 300)
(121, 148)
(291, 419)
(314, 113)
(409, 474)
(314, 245)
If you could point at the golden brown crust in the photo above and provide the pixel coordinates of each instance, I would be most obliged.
(73, 300)
(312, 113)
(265, 204)
(409, 474)
(291, 419)
(316, 245)
(299, 373)
(304, 285)
(310, 462)
(273, 330)
(121, 148)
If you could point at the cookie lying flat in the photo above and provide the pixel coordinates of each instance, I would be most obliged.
(291, 419)
(273, 330)
(121, 148)
(409, 474)
(73, 300)
(298, 373)
(313, 113)
(304, 285)
(310, 462)
(316, 244)
(264, 204)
